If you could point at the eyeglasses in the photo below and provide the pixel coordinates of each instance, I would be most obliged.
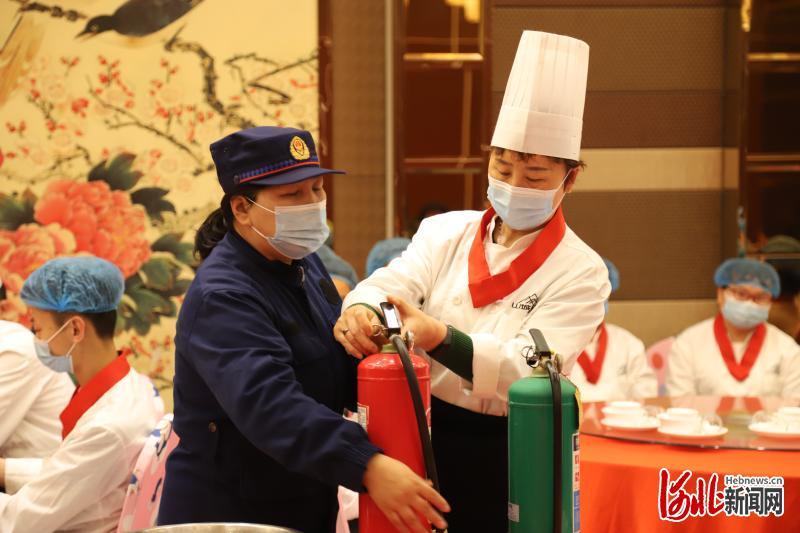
(761, 298)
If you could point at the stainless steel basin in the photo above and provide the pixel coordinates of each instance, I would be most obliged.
(212, 527)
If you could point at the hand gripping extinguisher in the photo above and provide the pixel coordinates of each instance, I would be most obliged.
(543, 468)
(394, 398)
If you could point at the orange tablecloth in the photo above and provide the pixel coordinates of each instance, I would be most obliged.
(619, 486)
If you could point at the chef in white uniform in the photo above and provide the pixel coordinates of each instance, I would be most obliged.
(614, 364)
(737, 353)
(81, 486)
(31, 396)
(472, 284)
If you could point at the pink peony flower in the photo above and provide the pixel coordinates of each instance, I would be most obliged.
(104, 222)
(21, 252)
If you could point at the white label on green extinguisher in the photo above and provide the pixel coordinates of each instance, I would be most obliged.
(576, 484)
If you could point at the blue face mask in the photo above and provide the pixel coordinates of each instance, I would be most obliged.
(300, 230)
(522, 208)
(744, 315)
(56, 363)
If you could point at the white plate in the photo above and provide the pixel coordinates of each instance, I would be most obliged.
(765, 429)
(707, 434)
(636, 425)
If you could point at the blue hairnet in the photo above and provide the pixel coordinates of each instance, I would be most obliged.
(613, 274)
(384, 251)
(337, 267)
(743, 271)
(78, 284)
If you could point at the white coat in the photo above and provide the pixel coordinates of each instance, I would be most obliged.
(696, 367)
(625, 374)
(563, 298)
(81, 487)
(31, 397)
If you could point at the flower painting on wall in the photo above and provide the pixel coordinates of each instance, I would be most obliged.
(107, 108)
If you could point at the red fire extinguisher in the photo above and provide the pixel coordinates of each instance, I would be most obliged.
(394, 398)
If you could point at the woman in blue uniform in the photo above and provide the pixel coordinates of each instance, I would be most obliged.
(260, 382)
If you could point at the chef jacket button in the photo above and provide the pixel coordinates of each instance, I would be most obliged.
(212, 427)
(457, 300)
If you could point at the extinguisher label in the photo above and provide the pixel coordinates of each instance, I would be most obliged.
(576, 484)
(513, 512)
(363, 416)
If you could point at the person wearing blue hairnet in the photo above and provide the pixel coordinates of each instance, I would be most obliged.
(737, 353)
(31, 398)
(341, 272)
(384, 252)
(81, 487)
(614, 365)
(260, 382)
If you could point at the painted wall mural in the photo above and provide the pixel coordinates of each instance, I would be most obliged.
(107, 109)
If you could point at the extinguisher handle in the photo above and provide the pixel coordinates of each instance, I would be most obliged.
(392, 319)
(541, 345)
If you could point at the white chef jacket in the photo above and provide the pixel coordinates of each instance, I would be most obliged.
(31, 397)
(696, 367)
(563, 298)
(81, 487)
(625, 374)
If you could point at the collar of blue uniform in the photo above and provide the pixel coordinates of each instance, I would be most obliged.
(252, 256)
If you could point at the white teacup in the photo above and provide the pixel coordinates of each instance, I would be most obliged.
(682, 420)
(788, 418)
(627, 413)
(624, 409)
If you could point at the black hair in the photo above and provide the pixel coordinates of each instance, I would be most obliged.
(104, 323)
(218, 222)
(2, 292)
(571, 163)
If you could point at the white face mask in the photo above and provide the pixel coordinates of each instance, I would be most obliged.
(744, 315)
(522, 208)
(300, 230)
(56, 363)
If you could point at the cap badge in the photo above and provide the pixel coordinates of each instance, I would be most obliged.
(299, 149)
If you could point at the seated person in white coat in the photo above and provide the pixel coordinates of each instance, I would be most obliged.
(81, 486)
(737, 353)
(614, 365)
(31, 396)
(472, 284)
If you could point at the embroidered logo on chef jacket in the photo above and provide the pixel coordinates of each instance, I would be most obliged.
(299, 149)
(527, 304)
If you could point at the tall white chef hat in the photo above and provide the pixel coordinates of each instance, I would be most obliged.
(542, 111)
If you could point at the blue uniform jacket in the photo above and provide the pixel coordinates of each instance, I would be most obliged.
(260, 385)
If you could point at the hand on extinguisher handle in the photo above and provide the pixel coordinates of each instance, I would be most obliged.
(403, 496)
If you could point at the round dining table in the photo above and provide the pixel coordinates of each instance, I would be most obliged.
(647, 481)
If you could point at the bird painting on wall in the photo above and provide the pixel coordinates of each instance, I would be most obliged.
(139, 18)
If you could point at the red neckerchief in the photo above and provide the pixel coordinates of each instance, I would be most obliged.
(740, 371)
(727, 403)
(84, 397)
(593, 368)
(485, 288)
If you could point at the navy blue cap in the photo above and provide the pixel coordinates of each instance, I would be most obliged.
(266, 155)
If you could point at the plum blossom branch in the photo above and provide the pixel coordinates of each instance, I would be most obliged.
(136, 122)
(210, 78)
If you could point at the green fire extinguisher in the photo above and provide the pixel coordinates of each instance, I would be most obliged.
(543, 468)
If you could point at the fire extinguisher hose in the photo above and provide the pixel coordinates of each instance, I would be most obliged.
(419, 410)
(555, 386)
